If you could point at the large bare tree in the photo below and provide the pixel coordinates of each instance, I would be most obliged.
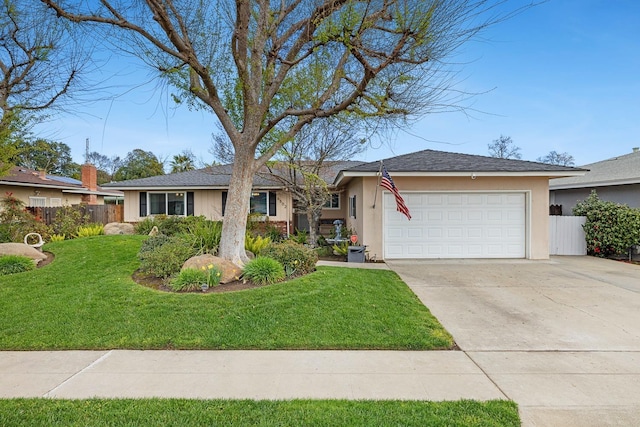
(307, 165)
(266, 69)
(39, 65)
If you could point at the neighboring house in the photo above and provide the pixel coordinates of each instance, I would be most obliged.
(615, 180)
(39, 189)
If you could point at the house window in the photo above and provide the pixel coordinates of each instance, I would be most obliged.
(38, 202)
(334, 202)
(352, 206)
(261, 202)
(165, 204)
(55, 202)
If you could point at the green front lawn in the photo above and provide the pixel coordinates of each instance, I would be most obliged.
(86, 299)
(179, 412)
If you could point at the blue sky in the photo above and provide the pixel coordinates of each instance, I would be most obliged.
(563, 76)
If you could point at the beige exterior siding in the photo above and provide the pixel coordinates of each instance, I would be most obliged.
(24, 193)
(368, 221)
(207, 203)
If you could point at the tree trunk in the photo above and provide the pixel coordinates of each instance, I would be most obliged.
(234, 224)
(313, 218)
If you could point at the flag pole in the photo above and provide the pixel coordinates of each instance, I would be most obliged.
(375, 195)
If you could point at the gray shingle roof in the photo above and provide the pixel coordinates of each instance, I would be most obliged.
(421, 161)
(441, 161)
(614, 171)
(212, 176)
(217, 177)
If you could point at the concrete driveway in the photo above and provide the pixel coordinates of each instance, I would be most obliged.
(559, 337)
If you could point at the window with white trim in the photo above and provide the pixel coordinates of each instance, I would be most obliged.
(37, 202)
(352, 206)
(166, 203)
(333, 202)
(55, 202)
(261, 202)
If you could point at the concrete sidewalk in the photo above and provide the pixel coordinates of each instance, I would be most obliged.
(410, 375)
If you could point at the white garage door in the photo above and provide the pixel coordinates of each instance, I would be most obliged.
(456, 225)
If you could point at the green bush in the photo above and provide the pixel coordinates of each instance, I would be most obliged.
(273, 232)
(264, 271)
(341, 248)
(610, 228)
(10, 264)
(168, 225)
(165, 256)
(300, 237)
(68, 219)
(189, 279)
(256, 244)
(16, 222)
(205, 234)
(152, 243)
(296, 259)
(144, 227)
(90, 230)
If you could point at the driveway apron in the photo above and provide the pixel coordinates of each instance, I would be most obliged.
(561, 337)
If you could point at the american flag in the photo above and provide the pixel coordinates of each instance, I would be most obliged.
(387, 183)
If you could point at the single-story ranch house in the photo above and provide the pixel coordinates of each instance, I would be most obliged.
(462, 206)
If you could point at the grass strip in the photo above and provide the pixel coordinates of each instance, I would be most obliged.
(180, 412)
(86, 299)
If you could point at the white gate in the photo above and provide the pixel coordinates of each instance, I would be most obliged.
(566, 235)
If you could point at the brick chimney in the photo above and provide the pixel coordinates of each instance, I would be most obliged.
(89, 176)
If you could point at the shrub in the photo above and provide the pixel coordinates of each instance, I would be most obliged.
(152, 243)
(610, 228)
(273, 232)
(165, 256)
(16, 222)
(57, 237)
(264, 271)
(341, 248)
(256, 244)
(144, 227)
(300, 237)
(296, 259)
(205, 234)
(68, 219)
(90, 230)
(189, 279)
(10, 264)
(168, 225)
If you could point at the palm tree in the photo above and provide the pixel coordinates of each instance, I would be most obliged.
(183, 162)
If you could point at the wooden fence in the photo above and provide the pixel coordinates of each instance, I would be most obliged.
(566, 236)
(102, 214)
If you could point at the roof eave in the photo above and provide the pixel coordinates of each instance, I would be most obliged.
(189, 188)
(593, 184)
(38, 185)
(344, 175)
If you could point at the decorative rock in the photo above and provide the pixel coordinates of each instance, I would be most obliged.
(22, 250)
(118, 228)
(154, 231)
(230, 271)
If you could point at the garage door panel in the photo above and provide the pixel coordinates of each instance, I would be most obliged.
(456, 225)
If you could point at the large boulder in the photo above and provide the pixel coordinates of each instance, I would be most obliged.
(230, 271)
(119, 228)
(22, 250)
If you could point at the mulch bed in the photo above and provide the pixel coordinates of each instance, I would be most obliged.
(160, 284)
